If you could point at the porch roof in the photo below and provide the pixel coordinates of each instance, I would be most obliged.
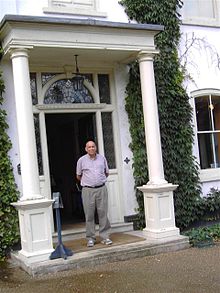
(50, 38)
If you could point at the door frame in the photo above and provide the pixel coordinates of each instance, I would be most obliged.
(115, 175)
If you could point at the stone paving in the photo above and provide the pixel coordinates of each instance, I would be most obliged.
(192, 270)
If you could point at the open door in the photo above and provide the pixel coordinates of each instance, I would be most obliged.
(66, 137)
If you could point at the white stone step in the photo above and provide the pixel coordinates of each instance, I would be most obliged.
(79, 231)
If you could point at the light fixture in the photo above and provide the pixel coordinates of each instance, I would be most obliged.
(78, 79)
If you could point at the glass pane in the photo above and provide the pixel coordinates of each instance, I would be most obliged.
(206, 9)
(205, 150)
(67, 91)
(198, 8)
(33, 88)
(190, 8)
(203, 113)
(216, 111)
(45, 77)
(217, 150)
(108, 139)
(38, 143)
(104, 88)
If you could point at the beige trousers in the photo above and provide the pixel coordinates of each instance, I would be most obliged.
(96, 198)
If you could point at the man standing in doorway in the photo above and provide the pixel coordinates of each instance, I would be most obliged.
(92, 172)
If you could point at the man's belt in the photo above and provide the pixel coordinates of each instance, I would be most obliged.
(98, 186)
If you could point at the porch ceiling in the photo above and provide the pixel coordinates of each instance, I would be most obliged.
(86, 57)
(59, 39)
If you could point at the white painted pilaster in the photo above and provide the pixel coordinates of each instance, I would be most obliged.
(158, 193)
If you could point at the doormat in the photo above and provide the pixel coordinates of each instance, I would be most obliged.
(80, 245)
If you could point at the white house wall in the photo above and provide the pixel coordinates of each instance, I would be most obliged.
(115, 12)
(202, 67)
(200, 64)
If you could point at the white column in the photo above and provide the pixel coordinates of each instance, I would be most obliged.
(25, 124)
(151, 120)
(158, 193)
(33, 209)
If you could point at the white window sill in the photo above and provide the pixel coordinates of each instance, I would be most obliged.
(207, 175)
(202, 22)
(68, 10)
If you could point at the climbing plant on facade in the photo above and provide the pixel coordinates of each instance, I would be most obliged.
(175, 113)
(8, 192)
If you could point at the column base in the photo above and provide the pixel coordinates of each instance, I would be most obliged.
(35, 229)
(159, 211)
(162, 233)
(34, 257)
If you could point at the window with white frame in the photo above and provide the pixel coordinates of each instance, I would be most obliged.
(77, 7)
(201, 12)
(208, 129)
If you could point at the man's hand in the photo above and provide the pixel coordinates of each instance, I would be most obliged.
(78, 177)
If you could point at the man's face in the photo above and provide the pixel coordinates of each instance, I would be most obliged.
(91, 148)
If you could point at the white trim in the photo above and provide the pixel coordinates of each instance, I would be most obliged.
(79, 7)
(205, 91)
(69, 106)
(116, 135)
(207, 175)
(211, 174)
(57, 77)
(67, 10)
(203, 21)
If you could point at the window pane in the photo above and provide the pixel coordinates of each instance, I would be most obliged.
(45, 77)
(33, 88)
(104, 88)
(198, 8)
(217, 150)
(108, 139)
(209, 143)
(216, 111)
(38, 143)
(203, 113)
(205, 150)
(68, 91)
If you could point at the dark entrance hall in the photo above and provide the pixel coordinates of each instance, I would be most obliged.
(66, 137)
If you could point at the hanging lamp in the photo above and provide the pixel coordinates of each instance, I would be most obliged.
(78, 79)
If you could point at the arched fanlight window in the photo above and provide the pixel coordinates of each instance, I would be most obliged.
(69, 90)
(65, 91)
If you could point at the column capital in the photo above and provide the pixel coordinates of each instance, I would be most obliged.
(18, 52)
(147, 55)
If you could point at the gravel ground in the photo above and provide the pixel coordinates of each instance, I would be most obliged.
(194, 270)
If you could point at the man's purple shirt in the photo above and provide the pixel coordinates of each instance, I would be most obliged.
(93, 171)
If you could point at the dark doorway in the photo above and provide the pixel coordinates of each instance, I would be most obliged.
(66, 138)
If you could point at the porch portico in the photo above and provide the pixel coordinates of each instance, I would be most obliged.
(41, 44)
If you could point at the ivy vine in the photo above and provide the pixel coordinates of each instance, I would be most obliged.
(175, 112)
(8, 193)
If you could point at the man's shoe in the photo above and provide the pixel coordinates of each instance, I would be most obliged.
(90, 243)
(106, 241)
